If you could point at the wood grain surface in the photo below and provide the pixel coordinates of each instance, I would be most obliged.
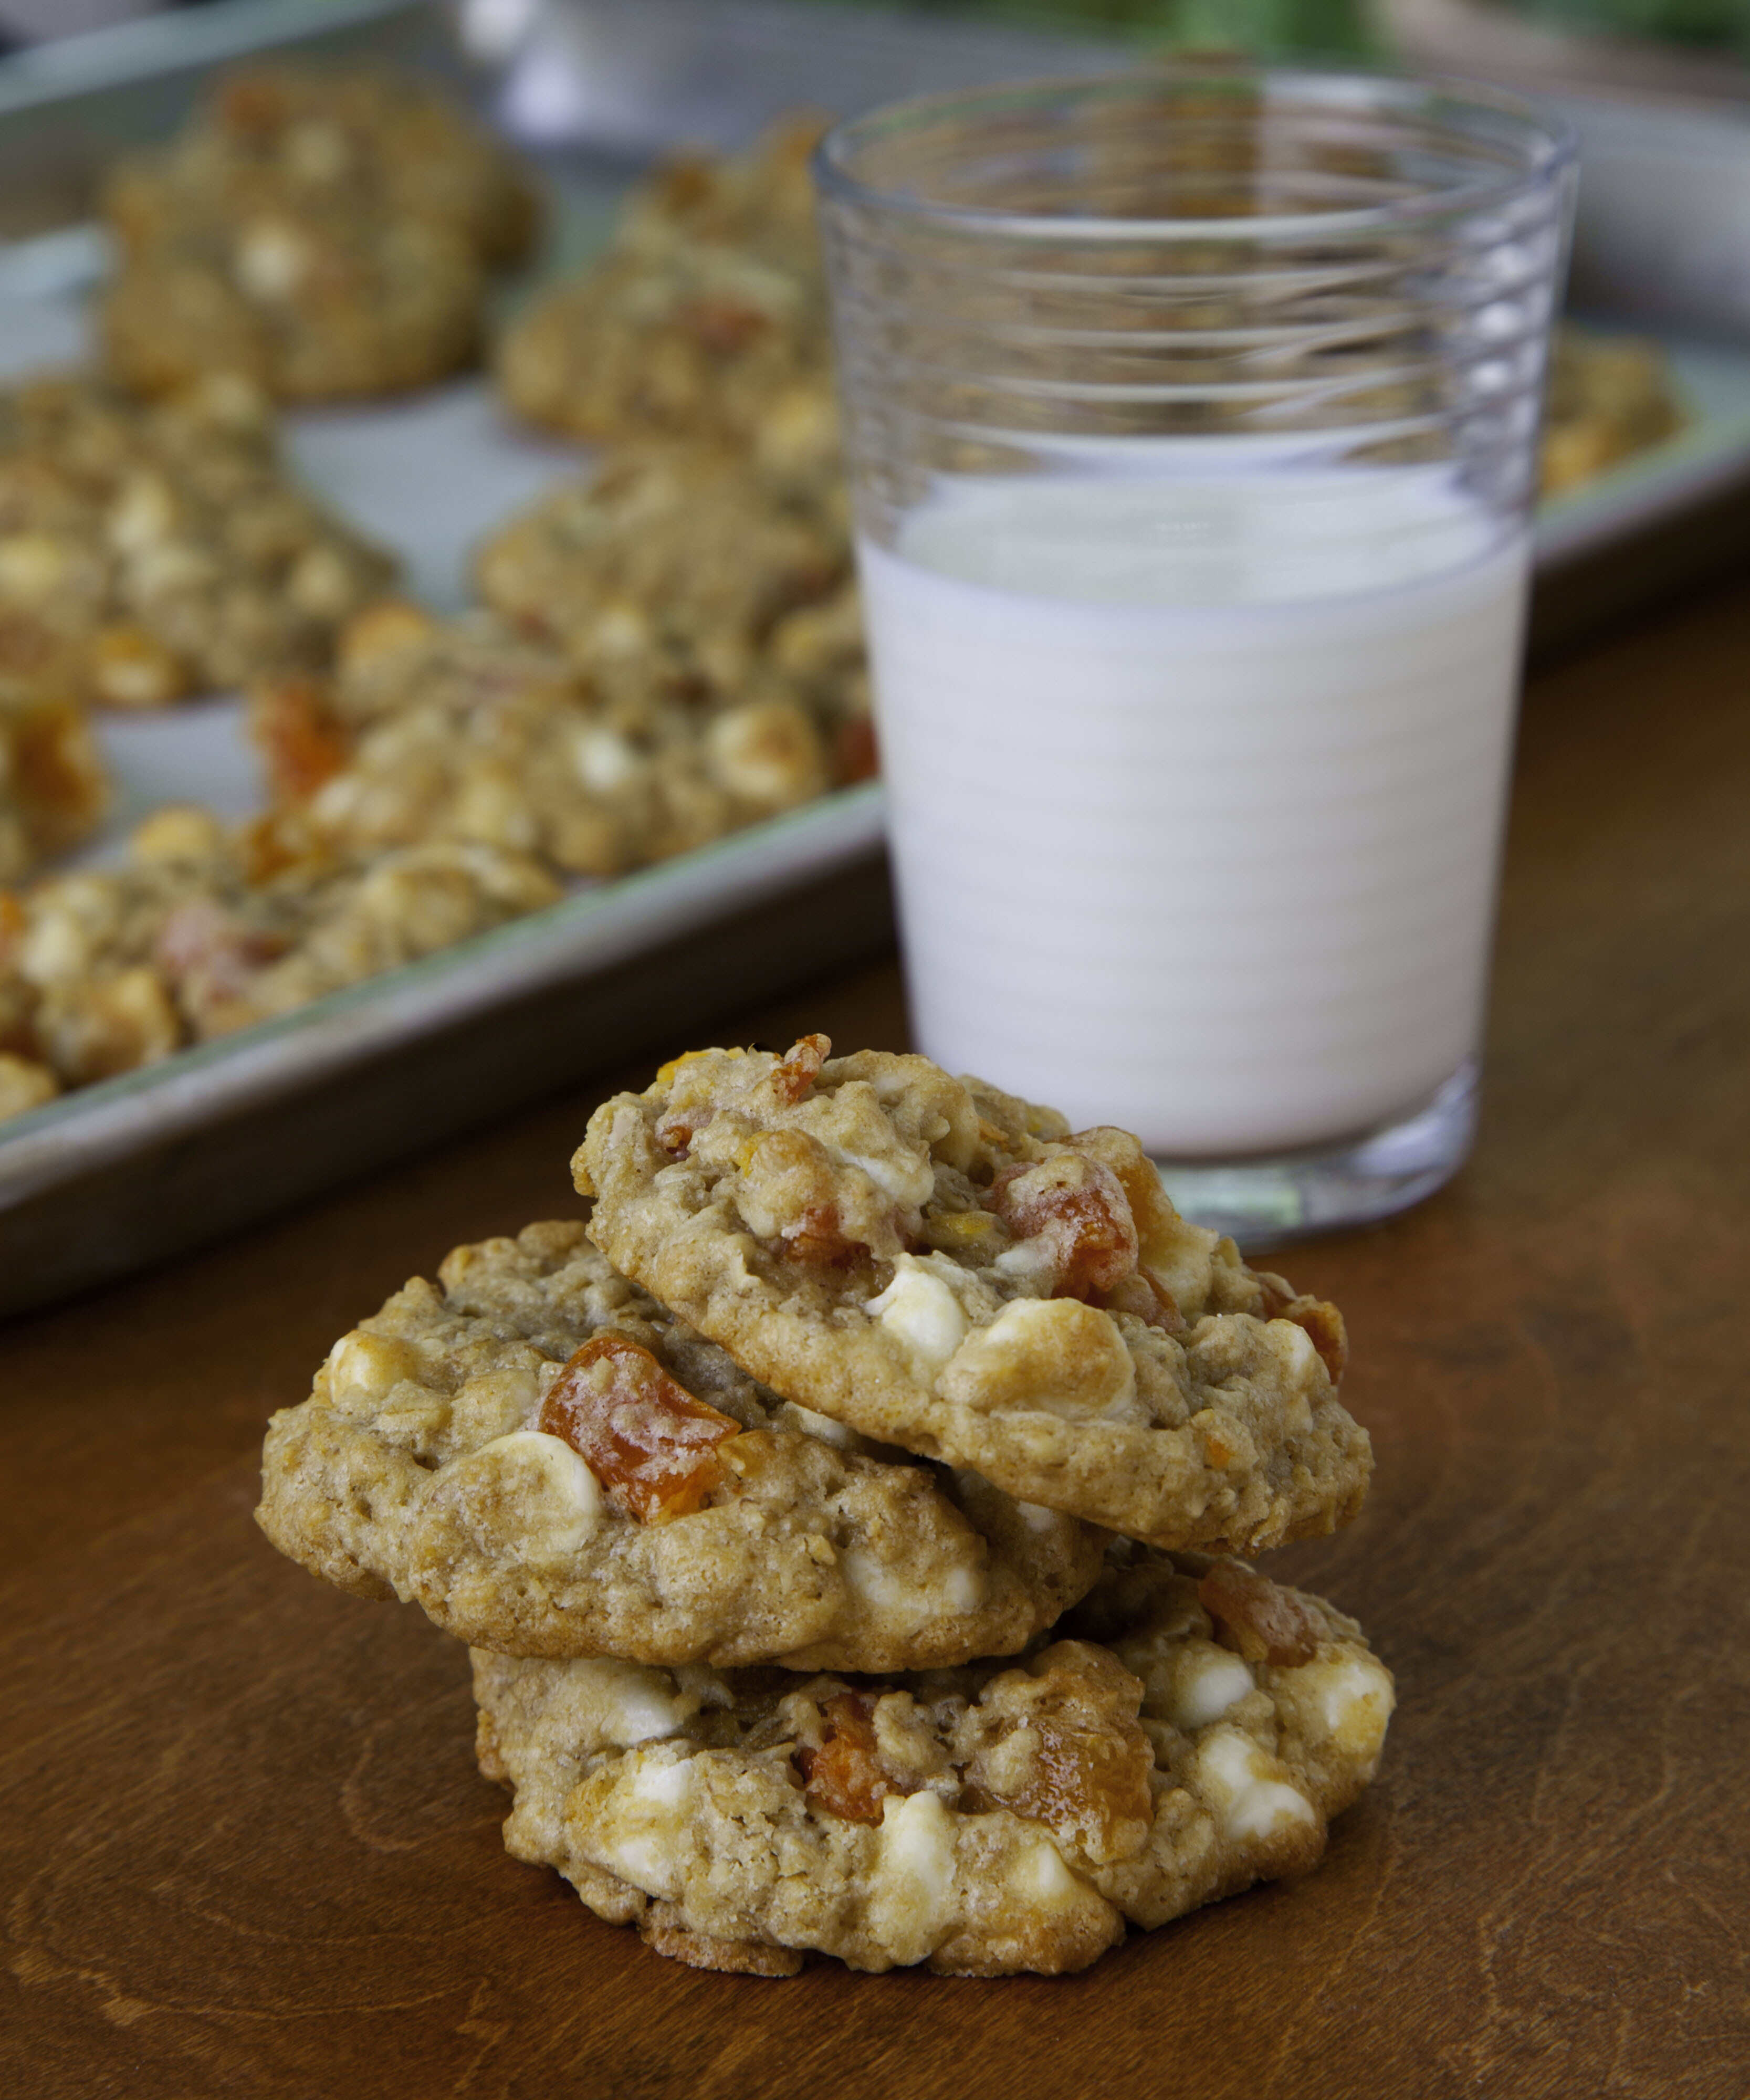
(244, 1850)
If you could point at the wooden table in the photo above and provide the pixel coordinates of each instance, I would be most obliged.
(244, 1850)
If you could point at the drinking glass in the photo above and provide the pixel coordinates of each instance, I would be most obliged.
(1192, 418)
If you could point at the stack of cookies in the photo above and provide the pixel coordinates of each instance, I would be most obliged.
(842, 1521)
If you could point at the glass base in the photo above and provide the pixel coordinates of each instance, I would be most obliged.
(1266, 1202)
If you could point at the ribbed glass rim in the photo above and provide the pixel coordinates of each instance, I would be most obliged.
(1546, 142)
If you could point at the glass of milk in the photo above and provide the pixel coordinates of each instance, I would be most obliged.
(1191, 416)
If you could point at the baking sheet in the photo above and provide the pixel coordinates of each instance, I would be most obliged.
(141, 1165)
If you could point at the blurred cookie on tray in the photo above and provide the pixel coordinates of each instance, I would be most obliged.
(204, 929)
(707, 317)
(708, 562)
(761, 200)
(329, 234)
(467, 729)
(1608, 397)
(382, 142)
(154, 550)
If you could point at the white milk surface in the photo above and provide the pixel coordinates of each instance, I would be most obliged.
(1196, 789)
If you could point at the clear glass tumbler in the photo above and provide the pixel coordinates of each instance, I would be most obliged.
(1192, 418)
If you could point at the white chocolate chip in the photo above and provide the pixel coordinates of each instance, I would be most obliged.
(876, 1582)
(1040, 1877)
(1028, 1263)
(920, 1311)
(1296, 1345)
(1207, 1681)
(363, 1370)
(270, 262)
(904, 1176)
(1250, 1802)
(605, 762)
(652, 1799)
(1353, 1698)
(911, 1885)
(627, 1703)
(321, 585)
(556, 1500)
(765, 750)
(1053, 1354)
(143, 514)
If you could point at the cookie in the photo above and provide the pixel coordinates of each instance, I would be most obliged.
(692, 558)
(378, 144)
(204, 931)
(1607, 398)
(1194, 1734)
(310, 304)
(152, 551)
(759, 202)
(327, 235)
(461, 729)
(706, 318)
(551, 1464)
(949, 1269)
(698, 343)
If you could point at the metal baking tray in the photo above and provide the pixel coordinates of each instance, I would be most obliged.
(141, 1166)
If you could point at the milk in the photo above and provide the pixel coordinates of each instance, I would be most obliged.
(1196, 784)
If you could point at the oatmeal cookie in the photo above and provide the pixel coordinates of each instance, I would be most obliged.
(552, 1464)
(699, 342)
(376, 143)
(706, 318)
(1197, 1735)
(148, 552)
(310, 304)
(1607, 398)
(461, 729)
(760, 201)
(204, 931)
(328, 234)
(949, 1269)
(691, 557)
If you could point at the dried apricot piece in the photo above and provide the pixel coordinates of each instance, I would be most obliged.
(797, 1071)
(300, 738)
(1257, 1618)
(1073, 1207)
(651, 1445)
(1321, 1320)
(1156, 1220)
(1078, 1760)
(845, 1776)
